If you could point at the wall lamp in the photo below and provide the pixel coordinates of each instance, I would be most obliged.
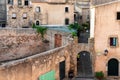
(105, 52)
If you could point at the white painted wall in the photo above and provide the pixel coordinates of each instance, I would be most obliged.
(92, 21)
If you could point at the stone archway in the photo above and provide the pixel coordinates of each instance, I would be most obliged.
(84, 64)
(113, 67)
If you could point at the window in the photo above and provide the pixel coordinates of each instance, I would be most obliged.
(19, 2)
(26, 2)
(66, 9)
(13, 15)
(113, 41)
(66, 21)
(37, 23)
(118, 15)
(37, 9)
(24, 15)
(75, 17)
(10, 2)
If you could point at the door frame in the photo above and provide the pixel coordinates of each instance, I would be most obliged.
(90, 56)
(107, 66)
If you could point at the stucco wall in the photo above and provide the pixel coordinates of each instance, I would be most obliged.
(53, 14)
(106, 25)
(50, 14)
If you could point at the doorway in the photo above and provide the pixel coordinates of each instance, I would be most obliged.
(113, 67)
(62, 70)
(84, 64)
(58, 40)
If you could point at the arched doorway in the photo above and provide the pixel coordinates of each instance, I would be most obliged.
(37, 23)
(58, 40)
(113, 67)
(84, 64)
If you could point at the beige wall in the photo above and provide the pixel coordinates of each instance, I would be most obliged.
(106, 25)
(54, 14)
(51, 14)
(85, 15)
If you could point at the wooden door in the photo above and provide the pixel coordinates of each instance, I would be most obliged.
(58, 40)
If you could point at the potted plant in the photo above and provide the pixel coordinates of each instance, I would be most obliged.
(99, 75)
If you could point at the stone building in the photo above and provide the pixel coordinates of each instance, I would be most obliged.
(23, 13)
(82, 10)
(53, 12)
(2, 13)
(53, 64)
(105, 31)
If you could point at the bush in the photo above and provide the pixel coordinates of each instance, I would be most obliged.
(74, 34)
(99, 75)
(33, 26)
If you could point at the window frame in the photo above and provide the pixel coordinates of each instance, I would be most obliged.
(10, 2)
(66, 9)
(109, 42)
(68, 21)
(38, 8)
(14, 15)
(24, 17)
(26, 1)
(19, 3)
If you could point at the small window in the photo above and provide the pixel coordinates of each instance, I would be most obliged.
(37, 22)
(113, 41)
(37, 9)
(10, 2)
(66, 9)
(118, 15)
(26, 2)
(66, 21)
(24, 15)
(13, 15)
(75, 17)
(19, 2)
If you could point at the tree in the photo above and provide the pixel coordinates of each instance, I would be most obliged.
(78, 28)
(41, 30)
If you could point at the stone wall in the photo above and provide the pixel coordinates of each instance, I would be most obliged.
(32, 67)
(19, 11)
(18, 43)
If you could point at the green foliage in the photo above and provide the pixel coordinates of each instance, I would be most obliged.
(99, 75)
(74, 26)
(33, 26)
(41, 30)
(74, 34)
(86, 26)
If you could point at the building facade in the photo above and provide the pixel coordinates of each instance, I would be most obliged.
(82, 8)
(105, 30)
(2, 13)
(23, 13)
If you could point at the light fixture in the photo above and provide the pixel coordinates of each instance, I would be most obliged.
(105, 52)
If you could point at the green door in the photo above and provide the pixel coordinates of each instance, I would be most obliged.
(48, 76)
